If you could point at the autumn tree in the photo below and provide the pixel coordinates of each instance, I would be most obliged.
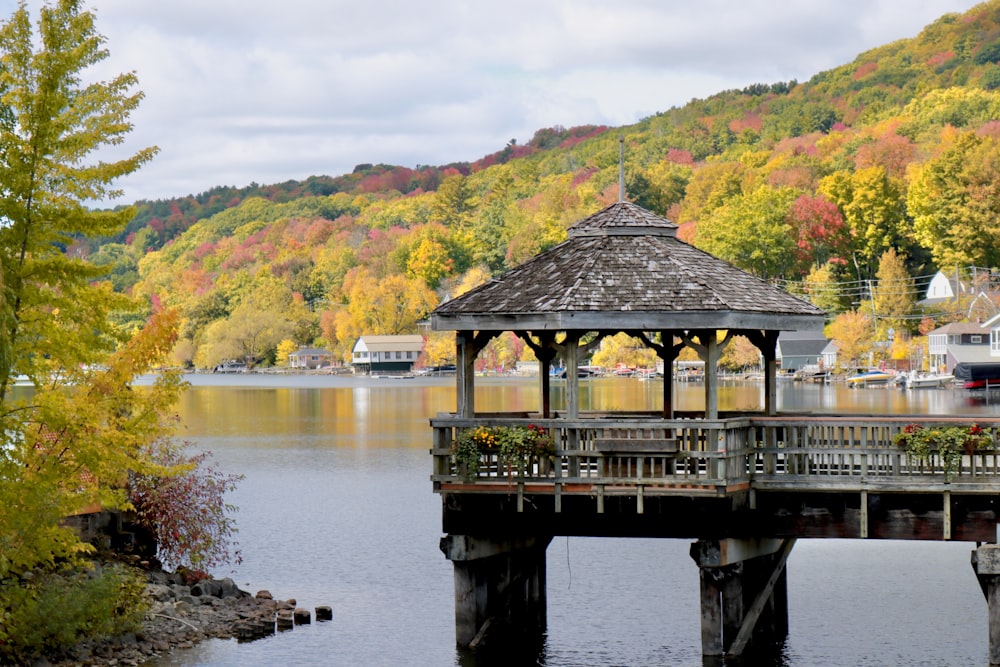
(439, 349)
(623, 350)
(740, 354)
(389, 306)
(72, 441)
(820, 233)
(285, 348)
(501, 353)
(250, 334)
(854, 335)
(711, 186)
(955, 203)
(894, 295)
(472, 278)
(873, 205)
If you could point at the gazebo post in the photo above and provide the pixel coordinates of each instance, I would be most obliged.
(572, 374)
(668, 355)
(767, 343)
(465, 369)
(545, 387)
(769, 350)
(711, 374)
(545, 352)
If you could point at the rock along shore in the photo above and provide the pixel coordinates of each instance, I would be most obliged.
(182, 615)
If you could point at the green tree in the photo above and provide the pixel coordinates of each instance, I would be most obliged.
(455, 202)
(823, 290)
(49, 125)
(752, 232)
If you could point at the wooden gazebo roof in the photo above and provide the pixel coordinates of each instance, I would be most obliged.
(624, 268)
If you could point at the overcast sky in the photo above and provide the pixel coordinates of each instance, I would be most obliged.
(241, 91)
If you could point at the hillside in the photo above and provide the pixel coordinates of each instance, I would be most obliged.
(804, 184)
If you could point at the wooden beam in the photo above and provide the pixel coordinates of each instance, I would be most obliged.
(753, 613)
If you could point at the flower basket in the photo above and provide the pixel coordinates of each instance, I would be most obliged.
(949, 443)
(516, 449)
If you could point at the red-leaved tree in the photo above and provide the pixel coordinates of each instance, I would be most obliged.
(187, 513)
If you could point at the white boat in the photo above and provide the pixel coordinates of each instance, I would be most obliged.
(914, 380)
(870, 378)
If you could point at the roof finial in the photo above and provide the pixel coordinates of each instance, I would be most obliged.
(621, 167)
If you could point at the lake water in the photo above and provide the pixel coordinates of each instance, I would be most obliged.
(337, 509)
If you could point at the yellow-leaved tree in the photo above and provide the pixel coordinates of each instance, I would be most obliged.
(74, 432)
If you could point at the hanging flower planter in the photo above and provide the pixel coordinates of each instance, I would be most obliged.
(515, 448)
(949, 443)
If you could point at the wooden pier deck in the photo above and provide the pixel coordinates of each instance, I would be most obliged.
(787, 476)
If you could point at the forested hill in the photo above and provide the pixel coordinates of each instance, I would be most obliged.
(807, 184)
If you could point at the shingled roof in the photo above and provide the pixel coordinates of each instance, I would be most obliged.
(624, 268)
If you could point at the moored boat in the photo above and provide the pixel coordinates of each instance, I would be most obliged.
(914, 380)
(978, 376)
(870, 378)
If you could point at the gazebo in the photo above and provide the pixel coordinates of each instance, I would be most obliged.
(745, 487)
(623, 269)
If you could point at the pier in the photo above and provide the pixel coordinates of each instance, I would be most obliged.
(743, 487)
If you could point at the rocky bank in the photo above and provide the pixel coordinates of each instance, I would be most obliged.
(182, 615)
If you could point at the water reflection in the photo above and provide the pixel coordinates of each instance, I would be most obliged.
(337, 509)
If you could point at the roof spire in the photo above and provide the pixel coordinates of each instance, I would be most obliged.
(621, 167)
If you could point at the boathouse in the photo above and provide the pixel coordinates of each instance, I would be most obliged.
(386, 354)
(743, 486)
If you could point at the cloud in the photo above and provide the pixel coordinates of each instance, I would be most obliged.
(241, 91)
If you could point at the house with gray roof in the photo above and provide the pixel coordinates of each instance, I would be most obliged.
(310, 358)
(798, 349)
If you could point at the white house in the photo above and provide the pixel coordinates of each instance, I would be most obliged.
(393, 354)
(942, 288)
(993, 326)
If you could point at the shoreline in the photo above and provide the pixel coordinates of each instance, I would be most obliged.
(182, 615)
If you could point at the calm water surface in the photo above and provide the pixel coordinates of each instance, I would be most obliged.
(337, 509)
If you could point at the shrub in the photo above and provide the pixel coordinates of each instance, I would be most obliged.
(42, 612)
(187, 513)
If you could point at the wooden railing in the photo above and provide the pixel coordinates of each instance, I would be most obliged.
(842, 453)
(643, 455)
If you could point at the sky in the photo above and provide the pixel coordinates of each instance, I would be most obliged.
(242, 91)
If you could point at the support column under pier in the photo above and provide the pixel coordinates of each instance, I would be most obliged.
(499, 587)
(986, 564)
(744, 594)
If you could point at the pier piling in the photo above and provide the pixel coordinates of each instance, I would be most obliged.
(499, 586)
